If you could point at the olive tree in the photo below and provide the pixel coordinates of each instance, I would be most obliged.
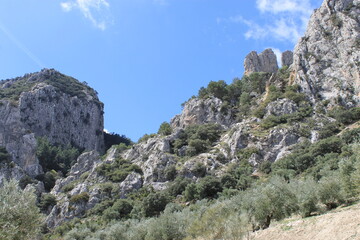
(20, 218)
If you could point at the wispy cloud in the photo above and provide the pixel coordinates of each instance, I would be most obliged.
(278, 55)
(286, 20)
(96, 11)
(280, 6)
(21, 46)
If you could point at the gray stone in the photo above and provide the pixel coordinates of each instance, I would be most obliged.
(287, 58)
(44, 111)
(281, 107)
(264, 62)
(200, 111)
(327, 59)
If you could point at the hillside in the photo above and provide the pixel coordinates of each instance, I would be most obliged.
(275, 143)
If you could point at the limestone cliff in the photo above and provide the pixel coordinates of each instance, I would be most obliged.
(327, 59)
(52, 105)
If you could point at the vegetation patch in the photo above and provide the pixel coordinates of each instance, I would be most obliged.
(197, 138)
(118, 170)
(79, 198)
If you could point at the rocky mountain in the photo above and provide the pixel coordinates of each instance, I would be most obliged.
(326, 60)
(297, 120)
(52, 105)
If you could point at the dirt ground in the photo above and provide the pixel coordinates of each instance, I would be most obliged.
(339, 224)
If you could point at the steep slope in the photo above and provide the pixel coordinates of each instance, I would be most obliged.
(327, 59)
(52, 105)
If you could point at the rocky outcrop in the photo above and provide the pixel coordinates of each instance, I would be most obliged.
(153, 156)
(281, 107)
(327, 59)
(84, 187)
(267, 146)
(264, 62)
(287, 58)
(200, 111)
(67, 114)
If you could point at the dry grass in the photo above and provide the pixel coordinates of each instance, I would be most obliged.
(340, 224)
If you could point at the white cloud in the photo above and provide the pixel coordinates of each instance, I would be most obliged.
(278, 6)
(67, 6)
(278, 55)
(96, 11)
(286, 20)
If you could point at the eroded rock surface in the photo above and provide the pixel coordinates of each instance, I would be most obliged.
(327, 59)
(264, 62)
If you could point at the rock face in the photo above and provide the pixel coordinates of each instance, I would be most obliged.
(264, 62)
(327, 59)
(281, 107)
(287, 58)
(66, 113)
(200, 111)
(153, 156)
(65, 208)
(85, 181)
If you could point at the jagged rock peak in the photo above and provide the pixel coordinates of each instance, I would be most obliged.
(264, 62)
(287, 58)
(327, 59)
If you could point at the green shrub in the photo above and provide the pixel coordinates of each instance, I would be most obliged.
(265, 167)
(218, 221)
(178, 186)
(119, 210)
(68, 187)
(191, 192)
(198, 138)
(272, 121)
(146, 137)
(100, 207)
(165, 129)
(56, 158)
(199, 169)
(46, 201)
(49, 179)
(345, 116)
(5, 157)
(228, 181)
(154, 203)
(118, 170)
(330, 192)
(216, 89)
(255, 82)
(19, 216)
(245, 153)
(80, 198)
(351, 136)
(306, 195)
(307, 155)
(329, 130)
(273, 200)
(24, 181)
(209, 187)
(170, 172)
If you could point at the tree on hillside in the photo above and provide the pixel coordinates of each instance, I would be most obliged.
(20, 218)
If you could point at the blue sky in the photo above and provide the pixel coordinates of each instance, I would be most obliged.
(145, 57)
